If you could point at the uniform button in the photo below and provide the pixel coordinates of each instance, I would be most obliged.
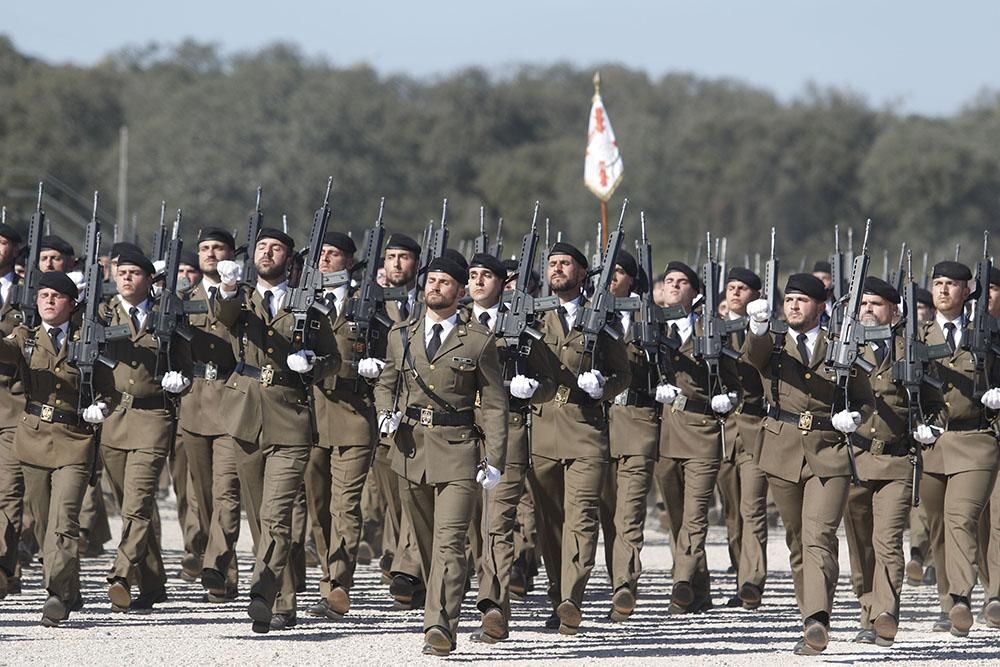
(704, 421)
(58, 385)
(270, 350)
(878, 377)
(951, 363)
(873, 429)
(131, 381)
(57, 367)
(135, 364)
(431, 366)
(565, 347)
(211, 346)
(876, 394)
(947, 386)
(809, 376)
(431, 387)
(676, 358)
(270, 332)
(212, 327)
(562, 367)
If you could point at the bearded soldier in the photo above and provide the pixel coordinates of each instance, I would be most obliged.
(11, 406)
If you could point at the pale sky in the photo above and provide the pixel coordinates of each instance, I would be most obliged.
(918, 56)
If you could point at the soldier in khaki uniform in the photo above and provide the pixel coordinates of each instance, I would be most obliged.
(634, 430)
(139, 431)
(265, 407)
(690, 444)
(803, 451)
(54, 446)
(989, 522)
(570, 449)
(211, 451)
(435, 366)
(11, 407)
(878, 509)
(959, 470)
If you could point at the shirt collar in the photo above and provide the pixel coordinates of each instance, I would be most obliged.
(942, 320)
(279, 289)
(492, 310)
(64, 327)
(143, 306)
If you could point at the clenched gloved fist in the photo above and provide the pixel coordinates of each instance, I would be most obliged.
(924, 434)
(723, 403)
(522, 386)
(301, 361)
(95, 414)
(991, 399)
(174, 382)
(229, 273)
(846, 421)
(370, 367)
(666, 393)
(488, 476)
(389, 422)
(591, 382)
(759, 310)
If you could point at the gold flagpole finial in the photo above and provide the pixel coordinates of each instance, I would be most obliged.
(597, 83)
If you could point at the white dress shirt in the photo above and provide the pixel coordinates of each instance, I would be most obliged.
(142, 308)
(959, 323)
(64, 331)
(6, 282)
(811, 337)
(446, 327)
(685, 326)
(492, 311)
(278, 294)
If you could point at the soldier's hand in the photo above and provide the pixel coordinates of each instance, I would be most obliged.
(229, 274)
(389, 422)
(666, 393)
(370, 367)
(924, 434)
(723, 403)
(95, 414)
(591, 382)
(846, 421)
(523, 387)
(301, 361)
(759, 310)
(174, 382)
(488, 476)
(991, 399)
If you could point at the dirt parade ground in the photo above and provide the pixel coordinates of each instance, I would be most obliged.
(186, 630)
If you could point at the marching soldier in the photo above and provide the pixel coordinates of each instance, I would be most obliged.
(11, 407)
(426, 398)
(55, 254)
(989, 522)
(265, 407)
(570, 435)
(803, 452)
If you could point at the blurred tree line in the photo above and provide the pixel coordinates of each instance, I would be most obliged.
(700, 155)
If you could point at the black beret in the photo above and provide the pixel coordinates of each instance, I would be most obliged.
(485, 261)
(822, 266)
(451, 267)
(277, 235)
(879, 287)
(56, 243)
(924, 297)
(562, 248)
(692, 276)
(511, 266)
(190, 258)
(745, 276)
(9, 233)
(628, 263)
(121, 246)
(995, 276)
(457, 257)
(806, 283)
(340, 241)
(217, 234)
(60, 282)
(136, 259)
(641, 282)
(403, 242)
(953, 270)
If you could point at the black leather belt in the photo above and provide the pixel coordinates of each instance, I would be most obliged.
(9, 370)
(876, 446)
(639, 399)
(49, 414)
(210, 371)
(428, 417)
(128, 401)
(807, 421)
(353, 385)
(754, 410)
(686, 404)
(268, 376)
(566, 394)
(968, 425)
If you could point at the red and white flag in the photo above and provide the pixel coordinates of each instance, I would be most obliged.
(602, 166)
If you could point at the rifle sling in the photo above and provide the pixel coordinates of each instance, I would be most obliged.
(404, 335)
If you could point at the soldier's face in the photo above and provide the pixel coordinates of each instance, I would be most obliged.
(660, 293)
(994, 300)
(53, 260)
(210, 253)
(678, 289)
(271, 258)
(877, 311)
(400, 266)
(8, 251)
(133, 283)
(825, 277)
(564, 274)
(442, 292)
(54, 307)
(332, 259)
(621, 282)
(925, 313)
(484, 286)
(380, 277)
(738, 295)
(949, 295)
(188, 274)
(802, 312)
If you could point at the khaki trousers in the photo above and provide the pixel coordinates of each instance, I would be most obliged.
(752, 567)
(623, 517)
(728, 484)
(189, 514)
(11, 502)
(989, 545)
(215, 491)
(499, 522)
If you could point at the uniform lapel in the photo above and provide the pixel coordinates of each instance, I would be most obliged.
(819, 350)
(452, 341)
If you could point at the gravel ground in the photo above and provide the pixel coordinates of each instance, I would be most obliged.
(186, 630)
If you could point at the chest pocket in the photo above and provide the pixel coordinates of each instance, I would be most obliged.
(463, 373)
(198, 320)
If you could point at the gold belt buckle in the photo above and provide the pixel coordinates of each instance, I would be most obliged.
(562, 394)
(211, 371)
(48, 412)
(878, 446)
(679, 403)
(126, 401)
(806, 421)
(426, 417)
(267, 375)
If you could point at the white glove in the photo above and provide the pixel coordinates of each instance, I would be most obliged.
(301, 361)
(666, 393)
(924, 434)
(846, 421)
(174, 382)
(370, 367)
(95, 414)
(759, 310)
(488, 476)
(156, 289)
(591, 382)
(722, 403)
(389, 423)
(229, 273)
(991, 399)
(522, 386)
(78, 279)
(159, 265)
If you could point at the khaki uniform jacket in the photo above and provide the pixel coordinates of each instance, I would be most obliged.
(570, 424)
(50, 380)
(972, 449)
(11, 391)
(131, 427)
(201, 407)
(277, 414)
(801, 388)
(687, 434)
(466, 363)
(745, 421)
(631, 425)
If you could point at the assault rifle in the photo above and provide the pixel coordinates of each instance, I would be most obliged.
(771, 290)
(497, 249)
(170, 316)
(307, 295)
(482, 241)
(837, 266)
(249, 276)
(435, 242)
(983, 328)
(160, 236)
(27, 295)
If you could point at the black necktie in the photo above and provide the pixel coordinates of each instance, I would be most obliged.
(562, 318)
(435, 343)
(134, 314)
(484, 318)
(268, 300)
(949, 337)
(404, 309)
(803, 348)
(880, 350)
(331, 300)
(54, 335)
(675, 333)
(213, 291)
